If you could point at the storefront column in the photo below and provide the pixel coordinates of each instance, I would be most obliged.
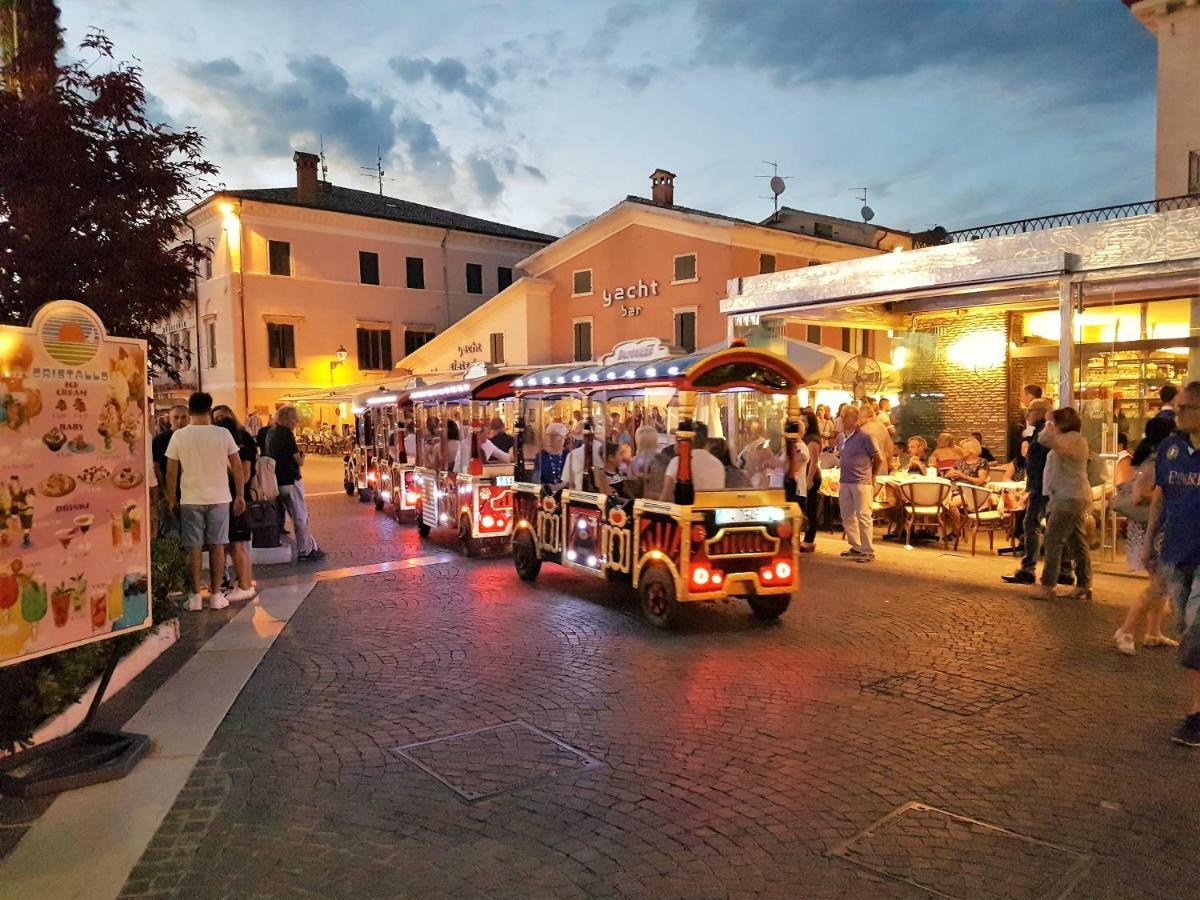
(1193, 372)
(1066, 339)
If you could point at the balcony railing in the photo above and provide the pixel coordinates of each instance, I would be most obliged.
(1058, 220)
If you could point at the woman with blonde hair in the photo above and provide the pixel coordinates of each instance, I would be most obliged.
(945, 455)
(1065, 482)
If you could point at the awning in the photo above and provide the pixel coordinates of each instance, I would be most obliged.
(825, 364)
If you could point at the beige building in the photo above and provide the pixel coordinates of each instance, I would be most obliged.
(1176, 25)
(317, 286)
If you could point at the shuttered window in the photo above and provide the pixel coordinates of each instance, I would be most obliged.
(374, 349)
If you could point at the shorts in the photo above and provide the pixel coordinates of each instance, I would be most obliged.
(1183, 587)
(239, 528)
(205, 525)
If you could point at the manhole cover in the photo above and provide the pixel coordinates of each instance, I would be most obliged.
(954, 856)
(942, 690)
(480, 764)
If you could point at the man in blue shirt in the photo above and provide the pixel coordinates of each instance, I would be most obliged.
(1175, 511)
(860, 460)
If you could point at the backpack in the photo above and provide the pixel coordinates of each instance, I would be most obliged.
(264, 486)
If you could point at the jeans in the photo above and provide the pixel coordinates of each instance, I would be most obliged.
(812, 506)
(292, 496)
(1035, 510)
(1183, 587)
(854, 500)
(1065, 533)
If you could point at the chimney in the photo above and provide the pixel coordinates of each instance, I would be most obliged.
(662, 187)
(306, 174)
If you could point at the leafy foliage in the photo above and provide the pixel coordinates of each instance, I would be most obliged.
(92, 191)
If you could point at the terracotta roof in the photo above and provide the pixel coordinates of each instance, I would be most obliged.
(365, 203)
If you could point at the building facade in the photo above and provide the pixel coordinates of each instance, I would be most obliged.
(643, 268)
(318, 286)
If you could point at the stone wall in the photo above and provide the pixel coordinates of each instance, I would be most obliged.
(957, 377)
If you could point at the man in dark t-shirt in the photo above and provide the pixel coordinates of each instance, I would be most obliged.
(281, 447)
(177, 418)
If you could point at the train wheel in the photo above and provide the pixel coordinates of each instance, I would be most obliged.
(768, 608)
(378, 502)
(422, 528)
(465, 541)
(349, 487)
(525, 556)
(656, 592)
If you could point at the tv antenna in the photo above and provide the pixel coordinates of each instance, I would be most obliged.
(324, 167)
(778, 184)
(377, 172)
(867, 213)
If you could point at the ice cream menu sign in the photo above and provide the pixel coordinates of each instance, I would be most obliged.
(74, 524)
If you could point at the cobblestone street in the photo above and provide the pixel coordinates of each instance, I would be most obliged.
(447, 730)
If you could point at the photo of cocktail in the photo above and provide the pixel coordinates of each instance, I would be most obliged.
(60, 604)
(136, 515)
(127, 525)
(114, 521)
(10, 588)
(33, 601)
(116, 598)
(99, 608)
(78, 596)
(82, 524)
(65, 536)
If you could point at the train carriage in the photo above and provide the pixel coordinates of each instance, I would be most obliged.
(690, 545)
(381, 467)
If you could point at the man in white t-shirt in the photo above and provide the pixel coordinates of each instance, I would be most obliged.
(573, 468)
(708, 472)
(208, 456)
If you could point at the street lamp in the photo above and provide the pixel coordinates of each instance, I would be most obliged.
(341, 355)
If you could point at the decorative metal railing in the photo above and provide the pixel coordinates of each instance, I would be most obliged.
(1059, 220)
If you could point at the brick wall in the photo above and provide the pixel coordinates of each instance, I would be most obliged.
(951, 385)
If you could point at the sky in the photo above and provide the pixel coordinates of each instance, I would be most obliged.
(544, 113)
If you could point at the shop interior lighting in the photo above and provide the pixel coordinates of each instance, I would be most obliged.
(382, 399)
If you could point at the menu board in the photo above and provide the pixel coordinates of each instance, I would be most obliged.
(74, 500)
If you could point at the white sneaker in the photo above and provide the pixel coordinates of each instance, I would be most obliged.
(239, 594)
(1125, 643)
(217, 601)
(195, 603)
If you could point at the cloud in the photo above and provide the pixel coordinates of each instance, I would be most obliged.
(483, 176)
(1070, 48)
(639, 77)
(316, 100)
(451, 76)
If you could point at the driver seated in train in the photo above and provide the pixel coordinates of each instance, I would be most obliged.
(708, 472)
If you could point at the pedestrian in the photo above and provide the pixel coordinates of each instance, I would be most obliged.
(206, 455)
(177, 417)
(550, 460)
(1035, 498)
(1065, 484)
(254, 423)
(861, 461)
(1133, 502)
(1167, 394)
(813, 440)
(281, 446)
(239, 528)
(1175, 510)
(263, 433)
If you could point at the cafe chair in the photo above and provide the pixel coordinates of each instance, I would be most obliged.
(882, 506)
(979, 515)
(924, 503)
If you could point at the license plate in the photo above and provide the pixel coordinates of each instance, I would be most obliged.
(504, 480)
(742, 514)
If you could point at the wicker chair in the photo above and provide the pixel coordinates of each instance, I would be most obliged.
(925, 504)
(980, 515)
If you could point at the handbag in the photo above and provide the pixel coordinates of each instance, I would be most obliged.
(260, 514)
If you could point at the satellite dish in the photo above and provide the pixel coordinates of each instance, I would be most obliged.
(778, 185)
(867, 213)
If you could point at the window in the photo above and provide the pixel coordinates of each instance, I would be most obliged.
(823, 229)
(766, 263)
(474, 278)
(583, 339)
(415, 273)
(281, 345)
(414, 338)
(846, 340)
(814, 334)
(208, 265)
(280, 257)
(581, 284)
(503, 277)
(496, 343)
(374, 349)
(685, 330)
(368, 267)
(685, 268)
(210, 329)
(185, 347)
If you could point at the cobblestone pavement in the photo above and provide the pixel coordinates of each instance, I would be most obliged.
(447, 730)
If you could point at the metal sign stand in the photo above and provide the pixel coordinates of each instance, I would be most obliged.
(78, 759)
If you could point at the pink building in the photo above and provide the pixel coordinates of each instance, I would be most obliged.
(299, 273)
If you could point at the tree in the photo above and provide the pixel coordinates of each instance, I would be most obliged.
(92, 191)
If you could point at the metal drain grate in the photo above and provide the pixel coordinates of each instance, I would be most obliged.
(945, 691)
(954, 856)
(480, 764)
